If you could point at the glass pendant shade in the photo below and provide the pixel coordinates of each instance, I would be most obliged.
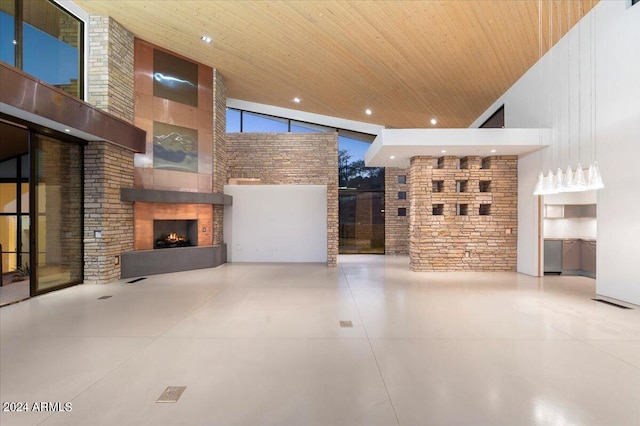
(559, 182)
(579, 182)
(540, 185)
(568, 179)
(595, 179)
(549, 183)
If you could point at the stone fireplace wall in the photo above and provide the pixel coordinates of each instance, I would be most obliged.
(207, 119)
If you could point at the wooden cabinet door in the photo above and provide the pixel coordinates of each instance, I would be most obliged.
(589, 256)
(571, 255)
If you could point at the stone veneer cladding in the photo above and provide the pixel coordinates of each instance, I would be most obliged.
(111, 74)
(219, 151)
(396, 227)
(108, 167)
(290, 159)
(450, 242)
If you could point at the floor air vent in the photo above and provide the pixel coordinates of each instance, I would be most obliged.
(611, 303)
(172, 394)
(136, 280)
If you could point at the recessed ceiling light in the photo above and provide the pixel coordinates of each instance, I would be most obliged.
(368, 111)
(443, 151)
(206, 39)
(493, 150)
(434, 121)
(392, 157)
(67, 130)
(297, 100)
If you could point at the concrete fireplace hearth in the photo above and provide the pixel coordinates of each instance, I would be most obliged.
(172, 216)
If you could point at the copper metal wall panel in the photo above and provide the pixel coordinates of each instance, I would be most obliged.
(25, 93)
(150, 109)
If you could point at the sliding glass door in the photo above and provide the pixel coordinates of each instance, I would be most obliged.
(56, 213)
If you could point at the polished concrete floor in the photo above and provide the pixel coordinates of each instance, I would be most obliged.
(261, 344)
(12, 292)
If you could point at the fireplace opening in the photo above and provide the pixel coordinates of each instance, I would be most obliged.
(175, 233)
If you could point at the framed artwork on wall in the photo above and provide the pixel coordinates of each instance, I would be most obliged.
(175, 148)
(175, 79)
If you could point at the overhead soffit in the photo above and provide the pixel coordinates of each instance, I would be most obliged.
(406, 60)
(15, 141)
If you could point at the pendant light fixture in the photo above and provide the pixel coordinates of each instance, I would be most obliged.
(594, 178)
(571, 181)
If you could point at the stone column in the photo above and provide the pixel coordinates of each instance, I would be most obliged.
(420, 172)
(396, 239)
(108, 167)
(219, 152)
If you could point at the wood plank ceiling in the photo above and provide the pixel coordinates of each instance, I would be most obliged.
(408, 61)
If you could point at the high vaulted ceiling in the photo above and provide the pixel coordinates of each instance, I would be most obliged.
(407, 61)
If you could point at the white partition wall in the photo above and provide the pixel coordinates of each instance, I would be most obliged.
(587, 89)
(276, 223)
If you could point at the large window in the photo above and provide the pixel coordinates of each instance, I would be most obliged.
(8, 31)
(14, 197)
(361, 197)
(252, 122)
(44, 40)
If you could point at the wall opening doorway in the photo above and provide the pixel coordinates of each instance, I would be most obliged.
(360, 196)
(569, 233)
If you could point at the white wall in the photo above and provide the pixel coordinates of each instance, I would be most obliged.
(583, 197)
(570, 228)
(587, 89)
(276, 223)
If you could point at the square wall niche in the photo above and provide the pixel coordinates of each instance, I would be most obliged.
(485, 210)
(485, 186)
(437, 209)
(462, 186)
(437, 185)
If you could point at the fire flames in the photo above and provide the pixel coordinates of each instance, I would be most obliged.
(174, 238)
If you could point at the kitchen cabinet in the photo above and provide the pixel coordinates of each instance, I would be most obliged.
(579, 210)
(588, 253)
(569, 211)
(552, 256)
(553, 211)
(571, 256)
